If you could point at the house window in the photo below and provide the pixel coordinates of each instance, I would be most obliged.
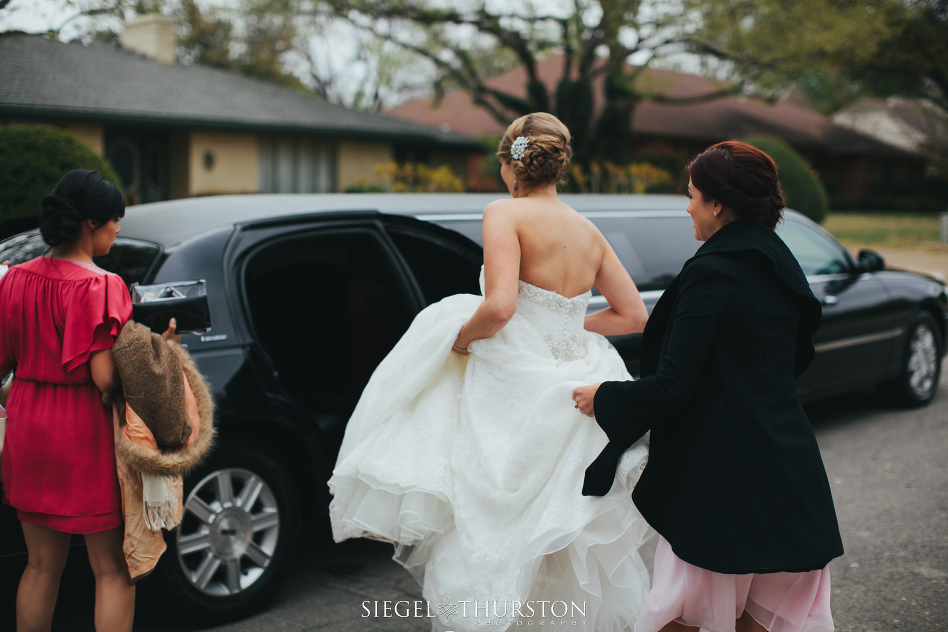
(296, 165)
(403, 153)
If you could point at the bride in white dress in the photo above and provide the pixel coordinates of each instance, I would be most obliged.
(466, 450)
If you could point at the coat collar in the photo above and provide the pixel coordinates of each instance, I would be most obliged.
(757, 240)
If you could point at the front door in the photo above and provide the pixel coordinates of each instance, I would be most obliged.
(140, 159)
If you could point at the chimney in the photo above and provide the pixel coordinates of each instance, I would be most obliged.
(151, 35)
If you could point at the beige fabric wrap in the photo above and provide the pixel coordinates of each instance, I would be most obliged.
(143, 547)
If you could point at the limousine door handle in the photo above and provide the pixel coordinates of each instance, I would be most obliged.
(829, 299)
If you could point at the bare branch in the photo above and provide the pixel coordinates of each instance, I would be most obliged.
(701, 98)
(746, 61)
(481, 19)
(472, 82)
(567, 49)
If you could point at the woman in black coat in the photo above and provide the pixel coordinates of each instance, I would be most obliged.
(735, 484)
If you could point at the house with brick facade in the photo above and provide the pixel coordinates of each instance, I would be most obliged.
(691, 116)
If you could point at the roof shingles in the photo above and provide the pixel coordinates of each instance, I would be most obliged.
(41, 78)
(708, 120)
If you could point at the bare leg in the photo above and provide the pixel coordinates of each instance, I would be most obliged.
(677, 627)
(114, 590)
(747, 623)
(39, 586)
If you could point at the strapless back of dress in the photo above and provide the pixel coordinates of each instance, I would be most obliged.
(559, 320)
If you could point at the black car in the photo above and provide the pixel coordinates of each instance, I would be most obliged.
(308, 293)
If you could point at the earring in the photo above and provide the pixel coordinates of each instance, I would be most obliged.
(715, 213)
(515, 185)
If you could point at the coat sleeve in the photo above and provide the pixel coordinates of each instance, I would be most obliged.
(627, 410)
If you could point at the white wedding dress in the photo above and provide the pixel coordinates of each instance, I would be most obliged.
(473, 468)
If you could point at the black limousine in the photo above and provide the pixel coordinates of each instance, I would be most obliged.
(307, 294)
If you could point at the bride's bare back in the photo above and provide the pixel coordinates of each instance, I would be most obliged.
(547, 243)
(560, 250)
(537, 238)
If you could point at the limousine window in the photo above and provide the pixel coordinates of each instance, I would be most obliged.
(326, 308)
(652, 249)
(816, 253)
(23, 248)
(441, 269)
(129, 258)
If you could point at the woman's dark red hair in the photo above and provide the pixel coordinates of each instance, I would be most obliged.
(742, 178)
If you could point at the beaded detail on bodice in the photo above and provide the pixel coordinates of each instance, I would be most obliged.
(559, 320)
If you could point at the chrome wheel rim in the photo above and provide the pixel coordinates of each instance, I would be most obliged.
(229, 532)
(922, 361)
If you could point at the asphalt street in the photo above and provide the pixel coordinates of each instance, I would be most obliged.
(889, 474)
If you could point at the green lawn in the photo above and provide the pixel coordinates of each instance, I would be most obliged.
(889, 230)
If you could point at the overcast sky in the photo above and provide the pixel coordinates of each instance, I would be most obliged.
(337, 49)
(36, 16)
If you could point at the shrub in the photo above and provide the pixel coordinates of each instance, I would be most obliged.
(637, 177)
(34, 158)
(418, 178)
(487, 178)
(803, 191)
(363, 185)
(672, 162)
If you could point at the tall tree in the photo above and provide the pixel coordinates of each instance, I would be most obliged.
(254, 38)
(913, 61)
(597, 38)
(833, 51)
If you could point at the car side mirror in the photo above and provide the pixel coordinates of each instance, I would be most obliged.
(870, 261)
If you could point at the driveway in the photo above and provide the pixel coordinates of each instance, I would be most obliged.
(888, 471)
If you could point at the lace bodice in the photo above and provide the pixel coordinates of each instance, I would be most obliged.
(557, 318)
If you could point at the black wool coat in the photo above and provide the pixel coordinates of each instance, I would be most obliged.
(734, 481)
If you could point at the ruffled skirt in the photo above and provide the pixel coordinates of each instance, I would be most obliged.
(473, 468)
(781, 602)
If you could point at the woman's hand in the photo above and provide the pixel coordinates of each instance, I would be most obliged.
(584, 396)
(169, 333)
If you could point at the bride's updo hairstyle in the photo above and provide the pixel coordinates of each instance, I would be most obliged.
(547, 154)
(742, 178)
(80, 194)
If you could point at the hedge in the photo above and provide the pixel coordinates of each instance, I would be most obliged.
(34, 158)
(804, 193)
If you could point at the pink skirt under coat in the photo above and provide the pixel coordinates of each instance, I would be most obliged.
(781, 602)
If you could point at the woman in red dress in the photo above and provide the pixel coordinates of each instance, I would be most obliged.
(59, 315)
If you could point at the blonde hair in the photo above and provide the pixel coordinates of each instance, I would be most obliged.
(547, 154)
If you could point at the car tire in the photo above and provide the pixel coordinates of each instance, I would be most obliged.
(237, 539)
(917, 383)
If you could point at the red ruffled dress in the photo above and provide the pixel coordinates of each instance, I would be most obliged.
(59, 452)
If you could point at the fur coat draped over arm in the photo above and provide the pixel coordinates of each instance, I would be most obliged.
(163, 422)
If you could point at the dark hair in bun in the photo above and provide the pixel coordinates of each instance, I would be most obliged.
(547, 153)
(81, 194)
(742, 178)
